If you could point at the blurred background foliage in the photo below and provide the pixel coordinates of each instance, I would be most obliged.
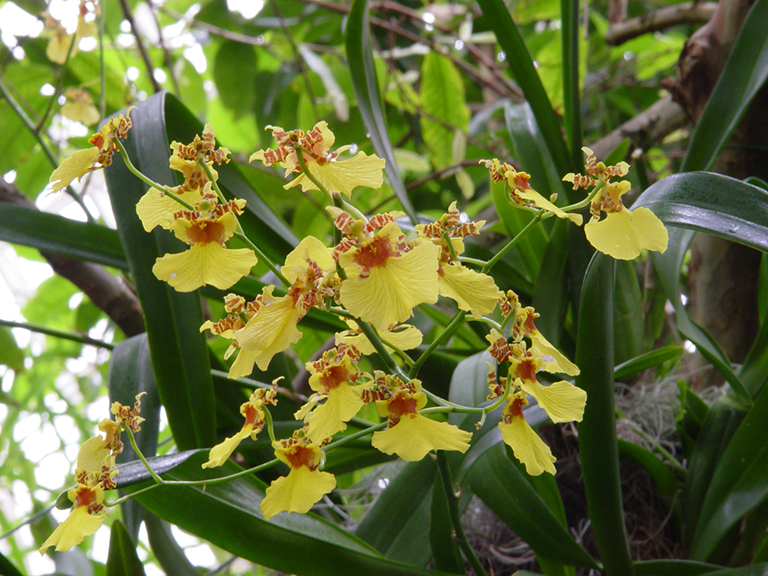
(449, 100)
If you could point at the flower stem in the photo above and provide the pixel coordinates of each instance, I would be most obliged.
(452, 495)
(378, 345)
(511, 244)
(445, 334)
(136, 449)
(308, 174)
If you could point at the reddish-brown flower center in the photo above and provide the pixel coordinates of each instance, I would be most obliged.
(374, 252)
(526, 370)
(206, 231)
(299, 455)
(402, 404)
(334, 376)
(85, 497)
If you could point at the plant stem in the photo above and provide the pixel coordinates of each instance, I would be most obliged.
(136, 449)
(453, 511)
(447, 331)
(81, 338)
(511, 244)
(27, 121)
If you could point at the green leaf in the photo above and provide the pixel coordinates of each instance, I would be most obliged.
(648, 360)
(10, 354)
(7, 568)
(397, 523)
(711, 203)
(134, 472)
(130, 373)
(571, 66)
(739, 483)
(598, 449)
(663, 477)
(122, 559)
(721, 423)
(508, 36)
(742, 78)
(673, 568)
(504, 488)
(228, 516)
(178, 350)
(444, 106)
(167, 551)
(234, 70)
(445, 550)
(59, 235)
(627, 322)
(366, 87)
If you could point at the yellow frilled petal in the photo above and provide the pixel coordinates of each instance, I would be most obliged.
(562, 401)
(388, 295)
(296, 492)
(81, 112)
(310, 248)
(71, 532)
(405, 337)
(552, 359)
(527, 446)
(473, 292)
(221, 452)
(415, 435)
(341, 405)
(73, 167)
(204, 264)
(623, 234)
(344, 175)
(271, 330)
(156, 209)
(541, 202)
(58, 48)
(92, 455)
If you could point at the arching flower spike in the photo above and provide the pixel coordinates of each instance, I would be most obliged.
(253, 410)
(304, 485)
(333, 379)
(622, 234)
(409, 434)
(335, 175)
(473, 291)
(386, 278)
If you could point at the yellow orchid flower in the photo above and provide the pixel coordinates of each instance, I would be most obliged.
(332, 378)
(520, 192)
(386, 278)
(472, 291)
(79, 107)
(253, 410)
(85, 519)
(156, 208)
(304, 485)
(409, 434)
(94, 158)
(208, 261)
(335, 175)
(622, 234)
(401, 336)
(526, 445)
(95, 472)
(271, 320)
(59, 45)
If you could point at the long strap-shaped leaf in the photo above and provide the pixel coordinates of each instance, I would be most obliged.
(366, 87)
(717, 205)
(54, 233)
(228, 516)
(178, 350)
(520, 63)
(743, 76)
(598, 448)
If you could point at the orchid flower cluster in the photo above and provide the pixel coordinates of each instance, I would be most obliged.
(372, 275)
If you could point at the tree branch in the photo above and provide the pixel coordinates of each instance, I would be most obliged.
(104, 290)
(645, 129)
(688, 13)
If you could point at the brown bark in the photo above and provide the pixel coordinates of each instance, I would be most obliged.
(105, 290)
(723, 275)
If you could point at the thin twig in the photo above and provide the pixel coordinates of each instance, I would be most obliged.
(140, 45)
(688, 13)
